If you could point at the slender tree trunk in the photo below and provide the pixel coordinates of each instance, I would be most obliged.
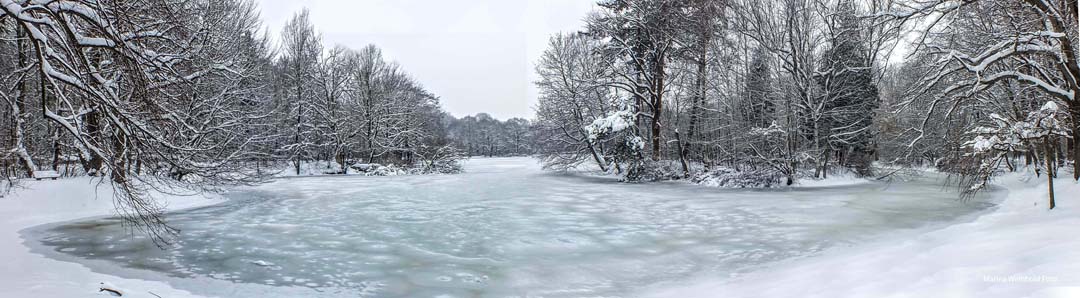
(1009, 163)
(682, 154)
(1075, 108)
(825, 164)
(596, 156)
(299, 123)
(20, 140)
(17, 108)
(699, 96)
(1049, 172)
(45, 103)
(818, 173)
(57, 151)
(93, 127)
(119, 170)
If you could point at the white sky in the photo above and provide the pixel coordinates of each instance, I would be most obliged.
(477, 55)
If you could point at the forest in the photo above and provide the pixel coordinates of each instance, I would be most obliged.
(760, 93)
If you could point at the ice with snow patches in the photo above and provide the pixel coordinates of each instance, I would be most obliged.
(1020, 249)
(504, 228)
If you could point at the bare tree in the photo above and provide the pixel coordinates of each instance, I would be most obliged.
(1030, 42)
(573, 92)
(301, 47)
(127, 77)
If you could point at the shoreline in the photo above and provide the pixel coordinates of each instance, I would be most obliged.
(41, 203)
(1016, 249)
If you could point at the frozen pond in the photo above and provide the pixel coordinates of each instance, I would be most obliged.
(504, 229)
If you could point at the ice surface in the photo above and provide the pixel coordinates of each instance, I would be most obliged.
(504, 228)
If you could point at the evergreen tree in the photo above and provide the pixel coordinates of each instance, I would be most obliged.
(759, 106)
(851, 95)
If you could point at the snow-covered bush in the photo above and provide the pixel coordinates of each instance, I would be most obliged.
(445, 164)
(619, 128)
(388, 170)
(440, 160)
(444, 167)
(374, 169)
(650, 171)
(990, 146)
(730, 178)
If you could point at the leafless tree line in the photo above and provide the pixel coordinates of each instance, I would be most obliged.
(175, 96)
(347, 105)
(483, 135)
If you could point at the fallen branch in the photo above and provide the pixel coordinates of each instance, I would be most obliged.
(111, 291)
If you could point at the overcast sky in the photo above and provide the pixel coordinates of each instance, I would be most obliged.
(477, 55)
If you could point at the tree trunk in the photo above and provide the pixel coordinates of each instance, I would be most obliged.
(339, 157)
(119, 172)
(825, 164)
(299, 119)
(658, 108)
(45, 103)
(20, 140)
(1009, 163)
(57, 151)
(682, 155)
(819, 172)
(17, 111)
(699, 90)
(1049, 172)
(1075, 108)
(93, 127)
(599, 161)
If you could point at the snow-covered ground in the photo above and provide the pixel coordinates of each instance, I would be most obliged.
(833, 180)
(25, 274)
(1019, 250)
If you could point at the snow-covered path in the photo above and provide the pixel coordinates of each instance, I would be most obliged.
(505, 228)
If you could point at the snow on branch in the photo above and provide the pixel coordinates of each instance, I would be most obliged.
(612, 124)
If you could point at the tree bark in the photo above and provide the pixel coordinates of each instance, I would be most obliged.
(682, 155)
(17, 108)
(596, 156)
(93, 127)
(1049, 172)
(658, 107)
(296, 136)
(1075, 108)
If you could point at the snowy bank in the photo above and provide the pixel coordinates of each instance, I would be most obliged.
(1020, 249)
(25, 274)
(728, 178)
(331, 168)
